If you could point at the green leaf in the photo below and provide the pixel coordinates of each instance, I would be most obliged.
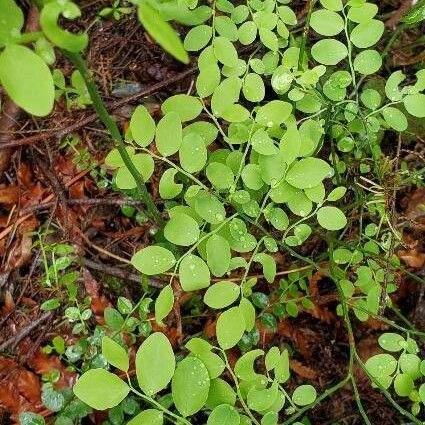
(269, 265)
(331, 218)
(235, 113)
(30, 418)
(415, 105)
(326, 22)
(422, 393)
(153, 260)
(335, 5)
(226, 27)
(271, 418)
(230, 328)
(115, 354)
(278, 219)
(161, 31)
(371, 99)
(240, 14)
(248, 313)
(272, 166)
(142, 126)
(417, 14)
(206, 130)
(263, 143)
(287, 15)
(169, 134)
(363, 13)
(221, 294)
(194, 273)
(220, 393)
(225, 95)
(251, 176)
(197, 38)
(247, 33)
(100, 389)
(182, 230)
(190, 386)
(113, 318)
(304, 395)
(329, 51)
(187, 107)
(143, 163)
(208, 80)
(269, 39)
(168, 188)
(262, 399)
(244, 367)
(367, 33)
(337, 193)
(225, 51)
(218, 255)
(224, 415)
(114, 158)
(155, 363)
(164, 303)
(308, 173)
(210, 208)
(316, 193)
(193, 153)
(403, 384)
(213, 362)
(272, 358)
(12, 21)
(253, 88)
(395, 118)
(273, 113)
(148, 417)
(27, 80)
(220, 175)
(410, 363)
(381, 365)
(392, 86)
(368, 62)
(281, 79)
(281, 370)
(391, 341)
(49, 21)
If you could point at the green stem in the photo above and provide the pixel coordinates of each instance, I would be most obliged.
(305, 32)
(111, 125)
(238, 391)
(350, 56)
(319, 399)
(393, 39)
(386, 393)
(29, 37)
(159, 406)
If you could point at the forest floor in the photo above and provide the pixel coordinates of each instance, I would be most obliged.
(50, 190)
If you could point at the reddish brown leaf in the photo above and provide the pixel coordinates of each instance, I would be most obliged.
(9, 195)
(98, 301)
(302, 370)
(28, 385)
(412, 258)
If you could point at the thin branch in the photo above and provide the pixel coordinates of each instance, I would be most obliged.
(111, 125)
(14, 340)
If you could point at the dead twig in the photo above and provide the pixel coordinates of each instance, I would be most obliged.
(399, 13)
(84, 201)
(120, 273)
(60, 134)
(13, 341)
